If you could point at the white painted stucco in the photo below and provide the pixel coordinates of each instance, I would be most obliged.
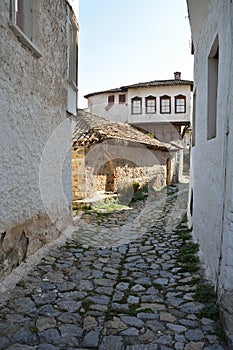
(35, 134)
(212, 166)
(98, 104)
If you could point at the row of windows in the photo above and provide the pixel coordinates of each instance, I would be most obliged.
(165, 104)
(121, 99)
(150, 103)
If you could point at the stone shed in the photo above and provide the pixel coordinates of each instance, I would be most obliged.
(107, 156)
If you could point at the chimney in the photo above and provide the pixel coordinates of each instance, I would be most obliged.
(177, 75)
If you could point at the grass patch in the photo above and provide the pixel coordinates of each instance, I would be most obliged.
(205, 293)
(108, 206)
(210, 311)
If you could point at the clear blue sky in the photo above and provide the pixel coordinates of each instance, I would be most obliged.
(129, 41)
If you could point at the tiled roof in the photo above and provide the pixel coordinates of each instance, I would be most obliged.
(171, 82)
(91, 129)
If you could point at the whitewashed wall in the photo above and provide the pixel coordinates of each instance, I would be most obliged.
(213, 197)
(98, 105)
(159, 91)
(35, 135)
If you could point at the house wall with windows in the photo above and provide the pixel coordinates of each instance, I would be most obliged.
(149, 106)
(211, 186)
(38, 100)
(110, 105)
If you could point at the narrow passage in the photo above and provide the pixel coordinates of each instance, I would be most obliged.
(118, 284)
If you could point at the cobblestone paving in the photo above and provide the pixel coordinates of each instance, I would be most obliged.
(126, 293)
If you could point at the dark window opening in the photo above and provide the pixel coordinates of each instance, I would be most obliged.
(122, 98)
(111, 99)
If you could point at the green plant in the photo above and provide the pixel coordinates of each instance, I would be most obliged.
(205, 293)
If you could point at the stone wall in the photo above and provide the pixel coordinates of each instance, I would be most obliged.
(110, 175)
(114, 174)
(35, 134)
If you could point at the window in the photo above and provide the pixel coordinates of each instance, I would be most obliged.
(23, 22)
(136, 104)
(212, 90)
(165, 104)
(150, 104)
(111, 99)
(73, 53)
(24, 16)
(180, 104)
(122, 98)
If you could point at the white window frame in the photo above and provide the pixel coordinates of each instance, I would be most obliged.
(21, 35)
(136, 109)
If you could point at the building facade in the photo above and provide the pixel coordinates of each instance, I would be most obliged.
(211, 186)
(160, 107)
(38, 99)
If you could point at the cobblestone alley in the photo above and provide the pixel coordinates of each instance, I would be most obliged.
(117, 283)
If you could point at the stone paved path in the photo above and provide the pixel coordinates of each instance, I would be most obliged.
(115, 285)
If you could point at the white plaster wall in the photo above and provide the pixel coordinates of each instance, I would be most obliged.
(98, 105)
(208, 157)
(158, 91)
(33, 121)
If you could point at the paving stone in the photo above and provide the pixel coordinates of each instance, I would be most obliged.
(70, 330)
(50, 336)
(142, 347)
(130, 332)
(132, 299)
(91, 339)
(176, 328)
(21, 347)
(132, 321)
(45, 322)
(138, 288)
(111, 342)
(167, 317)
(147, 337)
(195, 346)
(46, 347)
(155, 326)
(89, 323)
(147, 316)
(164, 340)
(194, 334)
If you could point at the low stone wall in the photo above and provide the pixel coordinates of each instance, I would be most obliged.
(115, 173)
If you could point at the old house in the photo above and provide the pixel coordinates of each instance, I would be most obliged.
(211, 187)
(107, 155)
(38, 82)
(160, 107)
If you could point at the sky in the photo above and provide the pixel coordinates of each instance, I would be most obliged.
(130, 41)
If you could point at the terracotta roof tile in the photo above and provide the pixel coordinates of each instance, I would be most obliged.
(91, 129)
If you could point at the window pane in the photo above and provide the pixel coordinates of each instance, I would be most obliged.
(136, 107)
(180, 105)
(165, 105)
(150, 105)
